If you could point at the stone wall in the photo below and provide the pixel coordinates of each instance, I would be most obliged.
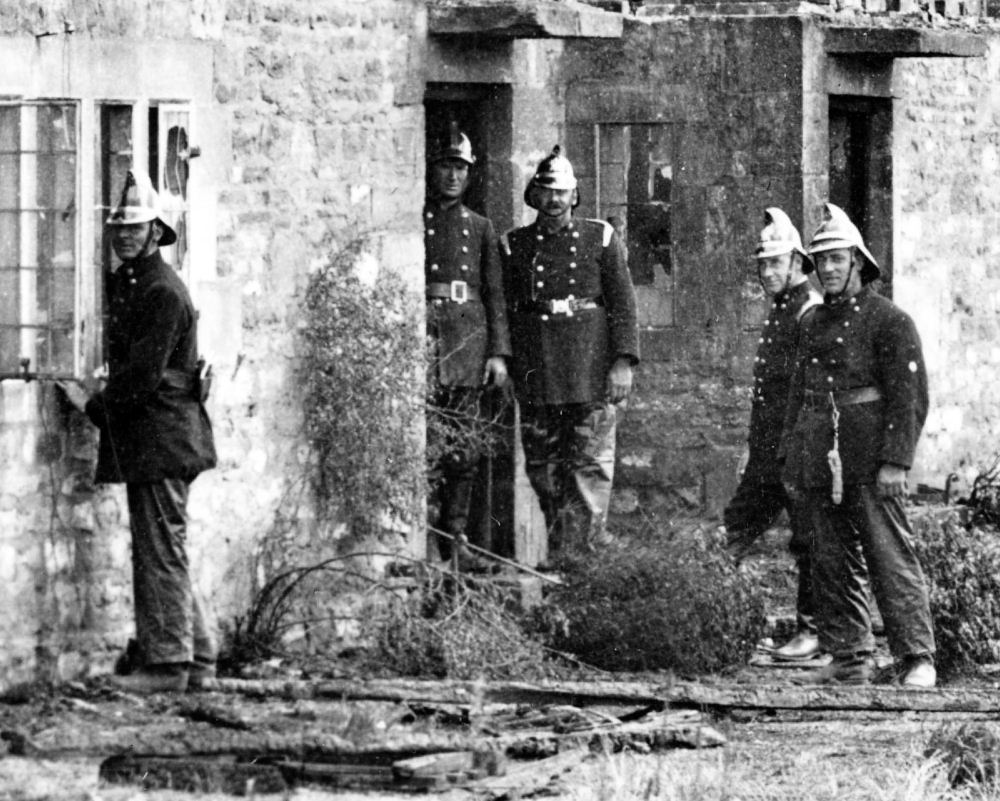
(726, 126)
(947, 249)
(313, 138)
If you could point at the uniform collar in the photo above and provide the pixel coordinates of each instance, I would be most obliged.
(142, 264)
(435, 209)
(853, 300)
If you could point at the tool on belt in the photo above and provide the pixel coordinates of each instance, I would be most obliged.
(833, 455)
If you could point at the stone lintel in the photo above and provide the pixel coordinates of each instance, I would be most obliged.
(902, 42)
(522, 19)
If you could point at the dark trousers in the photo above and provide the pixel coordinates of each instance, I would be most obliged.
(753, 510)
(169, 622)
(570, 461)
(880, 527)
(455, 440)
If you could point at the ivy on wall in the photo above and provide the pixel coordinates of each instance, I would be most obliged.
(361, 374)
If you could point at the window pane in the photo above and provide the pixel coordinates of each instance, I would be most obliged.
(10, 242)
(56, 188)
(38, 237)
(10, 128)
(56, 129)
(10, 180)
(10, 341)
(9, 297)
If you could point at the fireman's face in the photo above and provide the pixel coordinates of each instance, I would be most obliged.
(774, 272)
(449, 178)
(555, 202)
(834, 270)
(135, 239)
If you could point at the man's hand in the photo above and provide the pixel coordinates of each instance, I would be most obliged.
(891, 481)
(619, 380)
(495, 371)
(75, 394)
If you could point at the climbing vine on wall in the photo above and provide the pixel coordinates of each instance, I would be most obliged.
(361, 373)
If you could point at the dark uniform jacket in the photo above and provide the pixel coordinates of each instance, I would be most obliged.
(561, 358)
(152, 425)
(864, 341)
(772, 376)
(461, 245)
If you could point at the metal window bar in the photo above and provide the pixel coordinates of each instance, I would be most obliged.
(38, 239)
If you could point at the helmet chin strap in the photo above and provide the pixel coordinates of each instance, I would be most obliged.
(145, 250)
(847, 281)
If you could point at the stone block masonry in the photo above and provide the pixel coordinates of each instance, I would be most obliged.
(314, 139)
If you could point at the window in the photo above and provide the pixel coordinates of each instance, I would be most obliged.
(630, 173)
(52, 306)
(38, 235)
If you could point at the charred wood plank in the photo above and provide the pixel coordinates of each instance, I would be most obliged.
(192, 774)
(655, 695)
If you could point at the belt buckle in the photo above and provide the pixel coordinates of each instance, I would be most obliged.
(561, 306)
(459, 291)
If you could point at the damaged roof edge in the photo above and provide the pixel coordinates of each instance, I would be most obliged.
(523, 19)
(903, 42)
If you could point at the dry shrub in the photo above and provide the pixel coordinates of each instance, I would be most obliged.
(454, 626)
(962, 565)
(680, 604)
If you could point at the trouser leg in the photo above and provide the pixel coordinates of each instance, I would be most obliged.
(752, 511)
(540, 440)
(590, 464)
(454, 474)
(164, 602)
(840, 594)
(897, 578)
(800, 546)
(569, 458)
(204, 646)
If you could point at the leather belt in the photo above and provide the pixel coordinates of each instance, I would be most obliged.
(559, 306)
(845, 397)
(457, 291)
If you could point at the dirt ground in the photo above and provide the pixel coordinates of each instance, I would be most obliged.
(51, 746)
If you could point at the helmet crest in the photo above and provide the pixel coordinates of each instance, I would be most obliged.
(554, 172)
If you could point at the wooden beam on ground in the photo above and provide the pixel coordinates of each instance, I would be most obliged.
(657, 695)
(528, 778)
(659, 732)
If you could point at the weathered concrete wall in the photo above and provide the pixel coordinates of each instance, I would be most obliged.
(947, 249)
(723, 98)
(314, 138)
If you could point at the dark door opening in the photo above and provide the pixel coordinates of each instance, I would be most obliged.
(483, 113)
(861, 172)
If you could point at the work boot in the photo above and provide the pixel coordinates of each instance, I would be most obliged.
(804, 645)
(918, 673)
(171, 677)
(200, 671)
(856, 669)
(130, 660)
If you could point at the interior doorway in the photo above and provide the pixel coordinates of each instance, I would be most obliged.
(483, 113)
(861, 172)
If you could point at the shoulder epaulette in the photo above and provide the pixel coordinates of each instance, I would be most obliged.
(812, 300)
(608, 231)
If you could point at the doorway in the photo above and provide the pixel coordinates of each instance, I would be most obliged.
(861, 172)
(483, 113)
